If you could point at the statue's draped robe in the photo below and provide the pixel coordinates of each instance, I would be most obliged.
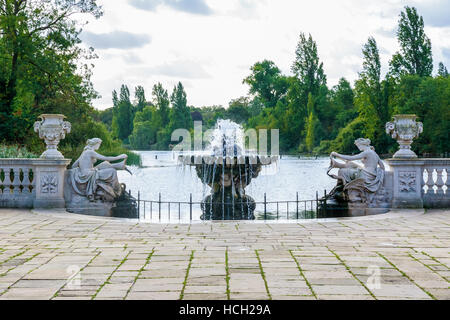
(101, 180)
(363, 180)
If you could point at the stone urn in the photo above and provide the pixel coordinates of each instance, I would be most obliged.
(52, 128)
(404, 129)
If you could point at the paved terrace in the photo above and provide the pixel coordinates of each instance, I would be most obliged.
(116, 259)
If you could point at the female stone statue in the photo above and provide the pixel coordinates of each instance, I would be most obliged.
(99, 182)
(360, 183)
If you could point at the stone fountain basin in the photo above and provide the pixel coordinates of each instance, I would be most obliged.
(194, 160)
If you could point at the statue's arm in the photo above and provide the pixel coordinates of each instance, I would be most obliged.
(98, 156)
(381, 164)
(75, 164)
(349, 158)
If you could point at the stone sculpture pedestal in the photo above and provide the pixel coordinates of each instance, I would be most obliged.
(125, 206)
(407, 182)
(76, 203)
(49, 177)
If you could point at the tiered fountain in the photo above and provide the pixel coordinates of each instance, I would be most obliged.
(228, 170)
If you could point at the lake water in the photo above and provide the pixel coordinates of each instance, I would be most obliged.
(161, 174)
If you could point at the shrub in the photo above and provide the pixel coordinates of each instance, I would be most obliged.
(15, 151)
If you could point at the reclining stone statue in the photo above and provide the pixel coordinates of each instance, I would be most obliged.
(358, 184)
(99, 182)
(92, 188)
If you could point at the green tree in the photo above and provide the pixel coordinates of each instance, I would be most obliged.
(370, 77)
(442, 70)
(104, 116)
(310, 125)
(139, 94)
(307, 67)
(161, 101)
(180, 115)
(429, 99)
(238, 110)
(41, 69)
(267, 83)
(415, 56)
(123, 115)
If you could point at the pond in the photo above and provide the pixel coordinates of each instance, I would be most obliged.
(161, 174)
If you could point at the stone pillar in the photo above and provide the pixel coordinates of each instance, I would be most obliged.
(49, 182)
(407, 182)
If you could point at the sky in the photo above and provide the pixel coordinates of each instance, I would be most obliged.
(210, 45)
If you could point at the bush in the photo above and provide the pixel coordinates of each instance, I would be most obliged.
(15, 151)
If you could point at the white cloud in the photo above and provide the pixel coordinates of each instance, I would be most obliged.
(189, 6)
(115, 39)
(211, 52)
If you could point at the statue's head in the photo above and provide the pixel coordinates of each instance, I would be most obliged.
(93, 144)
(362, 143)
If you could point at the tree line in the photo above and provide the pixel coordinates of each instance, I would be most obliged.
(45, 70)
(311, 116)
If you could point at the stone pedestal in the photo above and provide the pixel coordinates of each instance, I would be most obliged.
(406, 182)
(76, 203)
(49, 183)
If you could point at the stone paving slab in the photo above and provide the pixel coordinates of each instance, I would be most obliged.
(57, 255)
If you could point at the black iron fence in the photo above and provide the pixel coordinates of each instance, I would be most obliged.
(187, 211)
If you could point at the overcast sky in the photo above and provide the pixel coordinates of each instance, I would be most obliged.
(209, 45)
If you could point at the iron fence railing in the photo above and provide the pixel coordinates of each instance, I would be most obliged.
(187, 211)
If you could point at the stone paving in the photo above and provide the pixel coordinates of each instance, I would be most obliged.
(55, 255)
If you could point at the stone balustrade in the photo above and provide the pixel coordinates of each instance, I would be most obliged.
(418, 183)
(435, 183)
(38, 183)
(32, 183)
(17, 183)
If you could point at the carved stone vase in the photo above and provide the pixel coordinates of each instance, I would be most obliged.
(404, 129)
(52, 128)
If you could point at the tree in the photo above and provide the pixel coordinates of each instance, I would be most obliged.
(115, 99)
(139, 94)
(429, 99)
(310, 125)
(442, 70)
(342, 110)
(40, 59)
(180, 115)
(161, 101)
(267, 83)
(368, 94)
(370, 76)
(342, 94)
(307, 68)
(238, 110)
(123, 115)
(415, 55)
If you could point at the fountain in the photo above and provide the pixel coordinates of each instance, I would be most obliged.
(227, 169)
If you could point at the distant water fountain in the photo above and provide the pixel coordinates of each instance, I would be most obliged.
(228, 169)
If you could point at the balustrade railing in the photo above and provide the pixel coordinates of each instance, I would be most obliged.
(17, 183)
(436, 183)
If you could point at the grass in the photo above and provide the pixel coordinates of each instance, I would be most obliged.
(227, 277)
(187, 275)
(303, 275)
(263, 275)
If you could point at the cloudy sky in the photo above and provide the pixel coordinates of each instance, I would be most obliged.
(209, 45)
